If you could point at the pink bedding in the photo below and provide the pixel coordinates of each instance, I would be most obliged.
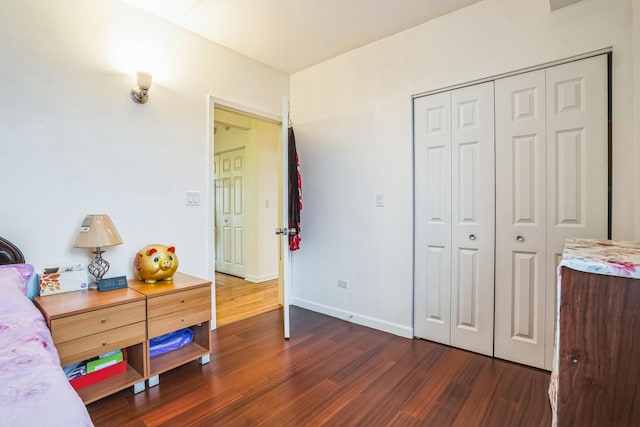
(33, 388)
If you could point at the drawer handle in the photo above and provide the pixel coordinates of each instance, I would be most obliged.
(182, 301)
(104, 343)
(103, 321)
(182, 319)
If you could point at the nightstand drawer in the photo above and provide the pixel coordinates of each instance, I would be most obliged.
(96, 321)
(178, 301)
(90, 346)
(174, 321)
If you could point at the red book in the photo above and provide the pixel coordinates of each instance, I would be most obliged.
(101, 374)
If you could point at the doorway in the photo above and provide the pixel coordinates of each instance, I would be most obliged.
(247, 168)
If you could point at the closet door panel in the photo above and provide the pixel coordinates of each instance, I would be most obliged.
(432, 136)
(520, 218)
(473, 216)
(577, 140)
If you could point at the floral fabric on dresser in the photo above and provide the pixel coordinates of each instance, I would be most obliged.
(609, 257)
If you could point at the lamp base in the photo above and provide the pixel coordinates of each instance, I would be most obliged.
(99, 266)
(139, 95)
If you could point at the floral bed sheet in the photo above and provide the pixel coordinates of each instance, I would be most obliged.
(33, 388)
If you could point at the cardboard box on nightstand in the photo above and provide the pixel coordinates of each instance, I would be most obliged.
(66, 281)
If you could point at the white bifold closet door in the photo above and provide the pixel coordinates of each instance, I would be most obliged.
(454, 217)
(432, 136)
(551, 184)
(521, 218)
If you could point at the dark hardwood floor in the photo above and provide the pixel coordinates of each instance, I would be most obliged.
(332, 373)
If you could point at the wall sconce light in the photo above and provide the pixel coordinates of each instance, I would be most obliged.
(140, 94)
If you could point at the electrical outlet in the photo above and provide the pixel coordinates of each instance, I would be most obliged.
(343, 283)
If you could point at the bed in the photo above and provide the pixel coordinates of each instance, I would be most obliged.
(34, 390)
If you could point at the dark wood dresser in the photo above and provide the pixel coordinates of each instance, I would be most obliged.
(598, 356)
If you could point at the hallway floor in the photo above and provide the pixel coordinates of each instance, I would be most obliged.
(238, 299)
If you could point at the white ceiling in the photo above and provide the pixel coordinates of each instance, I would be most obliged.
(290, 35)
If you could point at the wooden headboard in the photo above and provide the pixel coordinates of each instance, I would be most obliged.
(9, 253)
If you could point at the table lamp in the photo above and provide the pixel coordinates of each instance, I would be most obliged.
(97, 232)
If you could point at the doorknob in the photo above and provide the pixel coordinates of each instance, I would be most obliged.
(286, 231)
(520, 239)
(472, 237)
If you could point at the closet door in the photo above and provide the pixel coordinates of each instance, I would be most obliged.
(521, 211)
(472, 217)
(432, 264)
(576, 164)
(551, 169)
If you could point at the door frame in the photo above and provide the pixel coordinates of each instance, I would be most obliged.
(494, 77)
(213, 102)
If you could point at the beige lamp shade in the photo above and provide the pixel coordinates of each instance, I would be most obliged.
(97, 231)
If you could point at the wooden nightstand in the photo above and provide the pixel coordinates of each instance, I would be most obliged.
(85, 324)
(184, 302)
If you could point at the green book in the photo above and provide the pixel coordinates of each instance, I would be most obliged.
(96, 365)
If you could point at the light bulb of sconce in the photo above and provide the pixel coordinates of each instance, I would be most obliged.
(144, 80)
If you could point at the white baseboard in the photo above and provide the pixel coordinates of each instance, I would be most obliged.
(259, 279)
(381, 325)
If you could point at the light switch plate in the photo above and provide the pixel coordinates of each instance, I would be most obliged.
(193, 198)
(379, 200)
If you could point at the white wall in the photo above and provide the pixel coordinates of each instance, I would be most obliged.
(267, 139)
(74, 143)
(354, 133)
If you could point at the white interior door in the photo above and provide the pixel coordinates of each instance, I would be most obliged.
(577, 138)
(231, 213)
(216, 207)
(472, 217)
(521, 212)
(285, 254)
(432, 145)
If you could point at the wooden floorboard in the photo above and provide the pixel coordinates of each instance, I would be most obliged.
(238, 299)
(332, 373)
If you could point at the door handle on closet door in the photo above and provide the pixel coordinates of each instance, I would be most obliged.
(520, 239)
(472, 237)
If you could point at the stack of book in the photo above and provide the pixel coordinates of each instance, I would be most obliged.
(96, 369)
